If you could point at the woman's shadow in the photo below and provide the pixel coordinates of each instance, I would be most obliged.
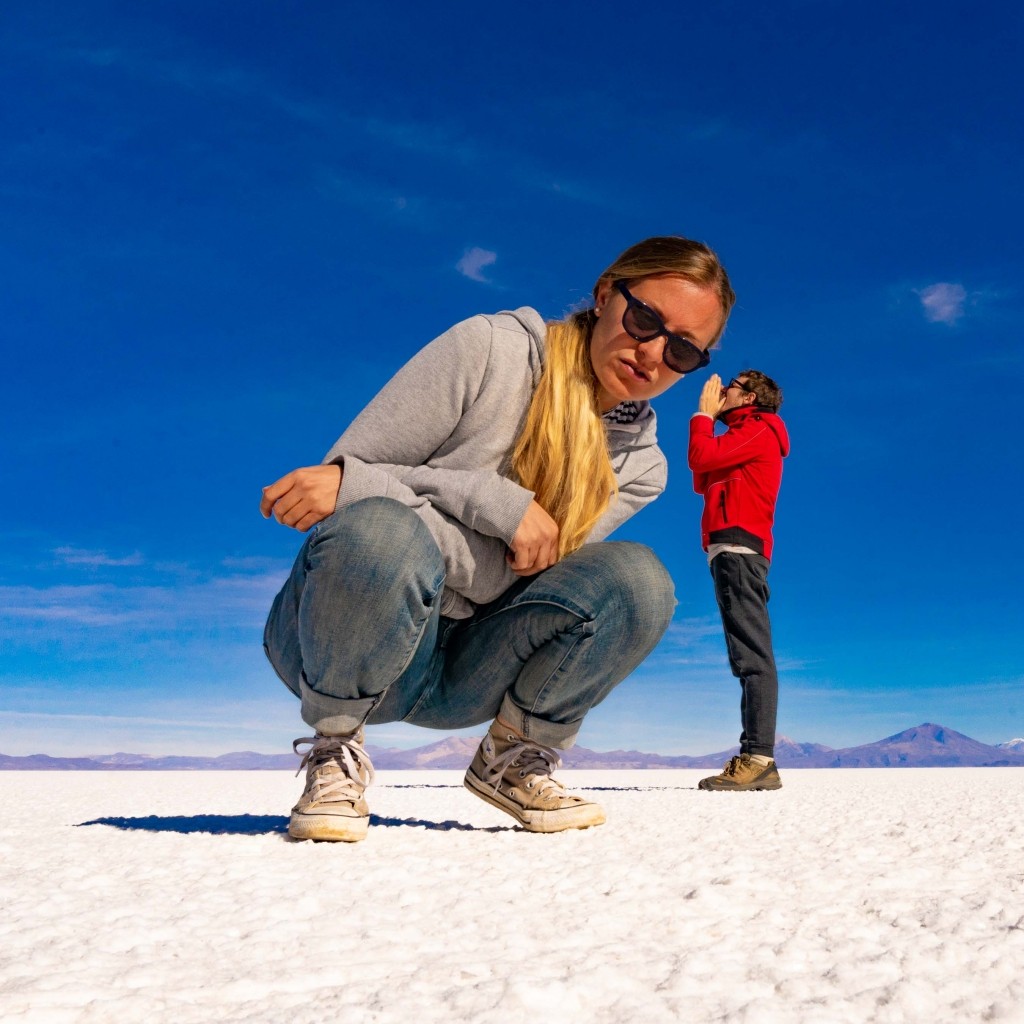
(265, 824)
(277, 824)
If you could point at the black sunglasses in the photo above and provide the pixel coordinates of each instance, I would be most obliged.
(734, 383)
(641, 323)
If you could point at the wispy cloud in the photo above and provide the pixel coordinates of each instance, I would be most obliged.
(691, 633)
(193, 726)
(202, 79)
(430, 139)
(686, 632)
(443, 140)
(252, 563)
(95, 559)
(943, 303)
(136, 720)
(368, 194)
(473, 262)
(234, 601)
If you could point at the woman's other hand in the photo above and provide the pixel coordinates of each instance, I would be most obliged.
(535, 544)
(303, 497)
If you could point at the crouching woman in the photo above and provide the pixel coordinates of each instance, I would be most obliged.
(456, 570)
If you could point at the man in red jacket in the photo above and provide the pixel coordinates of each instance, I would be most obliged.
(739, 473)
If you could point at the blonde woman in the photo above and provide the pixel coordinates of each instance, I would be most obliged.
(456, 571)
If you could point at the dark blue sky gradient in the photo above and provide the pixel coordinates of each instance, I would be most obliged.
(223, 227)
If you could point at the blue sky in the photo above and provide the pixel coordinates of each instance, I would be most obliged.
(225, 225)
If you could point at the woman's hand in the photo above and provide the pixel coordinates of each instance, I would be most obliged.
(711, 397)
(535, 544)
(303, 497)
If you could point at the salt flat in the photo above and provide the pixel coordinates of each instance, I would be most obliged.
(858, 895)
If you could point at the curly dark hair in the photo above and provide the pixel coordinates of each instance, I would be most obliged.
(767, 393)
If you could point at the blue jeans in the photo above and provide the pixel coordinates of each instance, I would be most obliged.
(356, 632)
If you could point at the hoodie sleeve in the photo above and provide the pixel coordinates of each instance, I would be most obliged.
(384, 449)
(481, 499)
(632, 497)
(470, 513)
(400, 426)
(708, 453)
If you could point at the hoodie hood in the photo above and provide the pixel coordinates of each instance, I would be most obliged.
(536, 328)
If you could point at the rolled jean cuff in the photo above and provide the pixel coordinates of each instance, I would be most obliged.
(333, 716)
(551, 734)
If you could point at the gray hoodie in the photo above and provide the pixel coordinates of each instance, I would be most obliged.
(439, 437)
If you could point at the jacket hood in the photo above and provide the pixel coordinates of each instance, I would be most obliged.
(734, 417)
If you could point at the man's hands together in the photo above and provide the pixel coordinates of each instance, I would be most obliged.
(303, 497)
(711, 397)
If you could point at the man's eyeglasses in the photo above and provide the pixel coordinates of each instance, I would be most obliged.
(734, 383)
(641, 323)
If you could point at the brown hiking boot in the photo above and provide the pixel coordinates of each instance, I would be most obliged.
(514, 775)
(742, 774)
(332, 806)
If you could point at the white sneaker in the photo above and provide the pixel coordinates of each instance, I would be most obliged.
(514, 775)
(332, 806)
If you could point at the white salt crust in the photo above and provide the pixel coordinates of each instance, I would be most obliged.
(848, 896)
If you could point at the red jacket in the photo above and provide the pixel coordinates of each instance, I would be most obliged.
(738, 473)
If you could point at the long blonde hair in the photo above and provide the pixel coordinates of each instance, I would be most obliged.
(562, 453)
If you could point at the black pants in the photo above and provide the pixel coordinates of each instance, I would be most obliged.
(741, 587)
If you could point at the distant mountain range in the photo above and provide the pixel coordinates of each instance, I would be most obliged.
(927, 746)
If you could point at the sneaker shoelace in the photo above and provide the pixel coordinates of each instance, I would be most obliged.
(533, 759)
(353, 773)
